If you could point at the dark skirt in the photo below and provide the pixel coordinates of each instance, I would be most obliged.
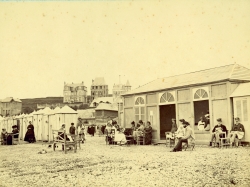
(30, 136)
(148, 138)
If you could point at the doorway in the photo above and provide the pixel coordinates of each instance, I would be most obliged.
(201, 108)
(167, 112)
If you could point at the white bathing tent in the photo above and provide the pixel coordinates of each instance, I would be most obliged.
(39, 124)
(52, 122)
(1, 122)
(21, 128)
(45, 127)
(66, 115)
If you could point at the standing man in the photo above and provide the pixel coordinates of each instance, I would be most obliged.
(237, 132)
(217, 132)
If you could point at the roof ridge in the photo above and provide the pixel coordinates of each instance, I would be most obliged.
(198, 71)
(230, 74)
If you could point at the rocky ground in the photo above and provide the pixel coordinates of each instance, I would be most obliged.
(98, 164)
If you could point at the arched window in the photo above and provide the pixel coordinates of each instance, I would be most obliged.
(166, 97)
(139, 101)
(200, 94)
(139, 109)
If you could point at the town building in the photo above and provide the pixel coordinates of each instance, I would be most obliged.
(99, 88)
(10, 106)
(119, 89)
(97, 101)
(105, 112)
(74, 93)
(188, 96)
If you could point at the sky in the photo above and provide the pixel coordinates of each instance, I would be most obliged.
(44, 44)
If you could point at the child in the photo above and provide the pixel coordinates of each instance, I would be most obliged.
(3, 135)
(82, 135)
(72, 130)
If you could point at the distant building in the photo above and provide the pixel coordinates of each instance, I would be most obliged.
(119, 89)
(99, 88)
(10, 106)
(74, 93)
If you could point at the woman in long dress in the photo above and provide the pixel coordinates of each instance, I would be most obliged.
(30, 135)
(148, 133)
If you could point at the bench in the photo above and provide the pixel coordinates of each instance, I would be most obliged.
(61, 137)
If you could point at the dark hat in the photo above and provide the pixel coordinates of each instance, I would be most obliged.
(14, 126)
(132, 122)
(140, 121)
(219, 120)
(182, 120)
(72, 123)
(237, 118)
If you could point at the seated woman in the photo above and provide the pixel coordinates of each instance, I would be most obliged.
(201, 124)
(139, 130)
(15, 131)
(148, 133)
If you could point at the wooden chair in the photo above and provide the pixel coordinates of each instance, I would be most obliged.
(15, 139)
(170, 139)
(190, 145)
(224, 135)
(60, 137)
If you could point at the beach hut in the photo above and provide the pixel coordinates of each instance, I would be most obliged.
(52, 123)
(39, 124)
(19, 122)
(1, 122)
(45, 123)
(66, 115)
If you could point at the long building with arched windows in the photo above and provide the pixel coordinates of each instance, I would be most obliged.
(189, 96)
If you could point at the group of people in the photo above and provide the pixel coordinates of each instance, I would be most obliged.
(142, 130)
(235, 134)
(185, 133)
(29, 136)
(7, 137)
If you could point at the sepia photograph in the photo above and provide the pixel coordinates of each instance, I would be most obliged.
(118, 93)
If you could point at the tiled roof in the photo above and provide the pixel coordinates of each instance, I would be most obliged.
(87, 113)
(105, 106)
(9, 99)
(74, 84)
(228, 72)
(98, 81)
(101, 99)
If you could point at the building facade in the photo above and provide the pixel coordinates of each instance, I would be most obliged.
(188, 96)
(119, 89)
(99, 88)
(10, 106)
(74, 93)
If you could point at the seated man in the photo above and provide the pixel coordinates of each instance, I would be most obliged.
(237, 132)
(61, 135)
(189, 134)
(217, 132)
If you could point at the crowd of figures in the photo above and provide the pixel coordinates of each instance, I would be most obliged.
(184, 133)
(114, 133)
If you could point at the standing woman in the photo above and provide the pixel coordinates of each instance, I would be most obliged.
(30, 135)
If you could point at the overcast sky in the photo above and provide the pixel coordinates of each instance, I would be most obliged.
(43, 44)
